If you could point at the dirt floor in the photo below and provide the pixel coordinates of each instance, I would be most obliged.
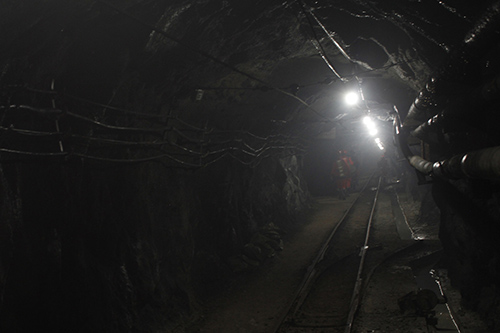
(256, 302)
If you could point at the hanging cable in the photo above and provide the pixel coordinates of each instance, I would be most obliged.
(115, 108)
(326, 81)
(31, 153)
(119, 128)
(135, 160)
(274, 137)
(234, 147)
(208, 56)
(29, 132)
(330, 35)
(138, 114)
(317, 43)
(255, 153)
(43, 111)
(56, 121)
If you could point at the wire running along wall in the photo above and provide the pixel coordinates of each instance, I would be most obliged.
(87, 132)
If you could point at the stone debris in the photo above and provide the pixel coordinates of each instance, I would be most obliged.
(418, 303)
(263, 245)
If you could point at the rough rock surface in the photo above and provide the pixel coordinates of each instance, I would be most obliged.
(145, 143)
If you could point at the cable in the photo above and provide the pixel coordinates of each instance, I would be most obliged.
(114, 108)
(119, 142)
(136, 160)
(317, 44)
(29, 132)
(208, 56)
(56, 121)
(275, 137)
(257, 153)
(163, 118)
(255, 136)
(344, 53)
(271, 142)
(337, 44)
(327, 81)
(44, 111)
(30, 153)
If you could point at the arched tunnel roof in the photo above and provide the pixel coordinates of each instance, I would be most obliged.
(263, 68)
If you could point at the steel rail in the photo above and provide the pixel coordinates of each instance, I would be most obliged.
(405, 218)
(311, 272)
(357, 288)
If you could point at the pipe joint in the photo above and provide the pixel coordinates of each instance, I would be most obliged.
(421, 164)
(484, 164)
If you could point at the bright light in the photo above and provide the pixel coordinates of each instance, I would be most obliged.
(379, 143)
(368, 121)
(351, 98)
(370, 125)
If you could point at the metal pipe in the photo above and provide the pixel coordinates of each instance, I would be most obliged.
(401, 140)
(422, 165)
(476, 43)
(479, 164)
(428, 132)
(424, 105)
(401, 136)
(483, 164)
(458, 114)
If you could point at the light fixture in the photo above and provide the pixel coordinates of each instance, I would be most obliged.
(368, 121)
(379, 143)
(370, 125)
(351, 98)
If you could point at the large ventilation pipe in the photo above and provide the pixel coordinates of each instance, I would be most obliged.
(459, 113)
(476, 44)
(480, 164)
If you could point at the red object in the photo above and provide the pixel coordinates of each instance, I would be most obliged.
(342, 172)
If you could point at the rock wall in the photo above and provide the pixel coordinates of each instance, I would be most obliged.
(117, 249)
(469, 231)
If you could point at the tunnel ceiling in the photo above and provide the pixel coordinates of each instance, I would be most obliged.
(261, 68)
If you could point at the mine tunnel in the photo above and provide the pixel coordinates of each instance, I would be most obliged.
(167, 166)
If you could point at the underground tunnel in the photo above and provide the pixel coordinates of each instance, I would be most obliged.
(195, 166)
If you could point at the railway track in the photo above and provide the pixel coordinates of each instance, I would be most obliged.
(330, 294)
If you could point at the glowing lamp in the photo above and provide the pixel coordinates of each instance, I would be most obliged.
(351, 98)
(379, 143)
(370, 125)
(368, 121)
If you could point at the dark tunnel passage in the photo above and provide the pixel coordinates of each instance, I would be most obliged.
(148, 150)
